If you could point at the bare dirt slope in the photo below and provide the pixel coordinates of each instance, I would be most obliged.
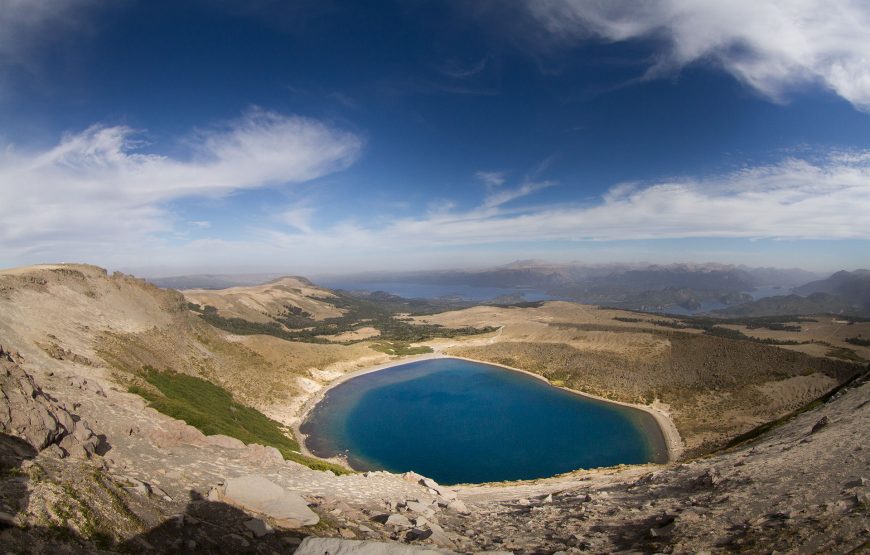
(111, 326)
(268, 302)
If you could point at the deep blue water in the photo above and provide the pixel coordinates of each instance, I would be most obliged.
(458, 421)
(435, 291)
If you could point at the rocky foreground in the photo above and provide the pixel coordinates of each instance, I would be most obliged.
(87, 468)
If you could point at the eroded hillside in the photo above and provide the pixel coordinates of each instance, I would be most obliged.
(110, 327)
(280, 299)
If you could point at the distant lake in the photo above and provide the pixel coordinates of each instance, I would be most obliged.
(433, 291)
(709, 306)
(459, 421)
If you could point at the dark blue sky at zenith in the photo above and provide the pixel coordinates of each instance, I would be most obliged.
(340, 136)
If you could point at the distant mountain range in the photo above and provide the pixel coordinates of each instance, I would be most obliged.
(716, 289)
(784, 305)
(689, 287)
(852, 286)
(843, 292)
(534, 274)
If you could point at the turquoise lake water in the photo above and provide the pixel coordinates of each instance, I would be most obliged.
(463, 422)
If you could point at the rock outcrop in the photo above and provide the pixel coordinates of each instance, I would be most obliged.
(26, 412)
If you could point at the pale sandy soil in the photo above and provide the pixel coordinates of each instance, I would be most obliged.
(827, 329)
(367, 332)
(262, 303)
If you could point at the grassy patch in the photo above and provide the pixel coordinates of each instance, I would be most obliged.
(212, 410)
(399, 348)
(860, 341)
(845, 354)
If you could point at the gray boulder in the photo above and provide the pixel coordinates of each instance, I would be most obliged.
(395, 520)
(259, 527)
(458, 506)
(227, 442)
(420, 508)
(446, 493)
(257, 494)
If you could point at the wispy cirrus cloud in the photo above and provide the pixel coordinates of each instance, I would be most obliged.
(298, 217)
(793, 199)
(773, 46)
(96, 190)
(491, 179)
(499, 197)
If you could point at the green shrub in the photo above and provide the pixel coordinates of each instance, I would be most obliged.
(398, 348)
(212, 410)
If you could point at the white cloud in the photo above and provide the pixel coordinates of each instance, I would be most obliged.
(459, 71)
(504, 196)
(298, 217)
(491, 179)
(794, 199)
(771, 45)
(94, 191)
(93, 198)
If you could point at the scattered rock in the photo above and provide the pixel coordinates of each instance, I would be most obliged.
(417, 534)
(412, 477)
(709, 479)
(420, 508)
(458, 506)
(395, 520)
(54, 452)
(263, 455)
(339, 546)
(823, 421)
(160, 493)
(259, 527)
(136, 486)
(80, 382)
(446, 493)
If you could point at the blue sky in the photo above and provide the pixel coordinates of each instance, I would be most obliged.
(313, 137)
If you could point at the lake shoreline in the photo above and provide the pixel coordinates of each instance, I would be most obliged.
(670, 435)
